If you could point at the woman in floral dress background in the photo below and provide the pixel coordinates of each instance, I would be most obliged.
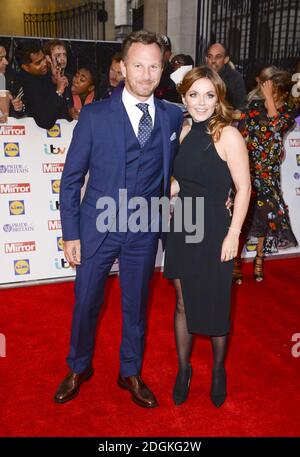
(263, 125)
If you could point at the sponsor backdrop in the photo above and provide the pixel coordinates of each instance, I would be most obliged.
(31, 162)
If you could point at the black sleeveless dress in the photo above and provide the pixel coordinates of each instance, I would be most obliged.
(205, 280)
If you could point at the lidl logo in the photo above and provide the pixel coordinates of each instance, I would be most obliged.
(16, 207)
(55, 184)
(251, 247)
(60, 243)
(54, 132)
(22, 267)
(11, 150)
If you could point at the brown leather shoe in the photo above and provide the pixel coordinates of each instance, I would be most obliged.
(140, 393)
(70, 386)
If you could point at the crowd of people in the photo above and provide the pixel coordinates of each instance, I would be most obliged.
(232, 141)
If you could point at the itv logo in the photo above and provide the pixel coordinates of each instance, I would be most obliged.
(50, 149)
(61, 264)
(54, 205)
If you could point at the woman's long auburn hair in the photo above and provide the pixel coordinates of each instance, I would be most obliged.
(223, 112)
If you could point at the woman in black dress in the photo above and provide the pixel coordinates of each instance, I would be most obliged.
(212, 154)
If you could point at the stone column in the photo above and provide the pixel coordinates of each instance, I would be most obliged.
(123, 24)
(182, 26)
(155, 16)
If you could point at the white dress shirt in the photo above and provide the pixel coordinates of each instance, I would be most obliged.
(134, 113)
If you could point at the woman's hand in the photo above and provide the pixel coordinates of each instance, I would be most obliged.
(267, 89)
(229, 246)
(175, 188)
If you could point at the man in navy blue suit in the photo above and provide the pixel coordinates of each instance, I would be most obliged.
(127, 143)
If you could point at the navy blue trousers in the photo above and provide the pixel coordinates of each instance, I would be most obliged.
(136, 253)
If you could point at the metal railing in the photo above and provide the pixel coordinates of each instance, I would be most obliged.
(255, 32)
(83, 22)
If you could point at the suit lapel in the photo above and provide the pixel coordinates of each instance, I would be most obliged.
(117, 123)
(166, 132)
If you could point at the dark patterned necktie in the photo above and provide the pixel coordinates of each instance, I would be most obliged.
(145, 125)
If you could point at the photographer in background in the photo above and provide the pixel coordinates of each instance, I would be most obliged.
(56, 55)
(45, 100)
(111, 79)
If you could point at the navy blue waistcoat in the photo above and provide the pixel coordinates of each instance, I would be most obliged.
(144, 166)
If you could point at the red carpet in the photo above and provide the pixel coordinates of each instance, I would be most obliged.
(263, 376)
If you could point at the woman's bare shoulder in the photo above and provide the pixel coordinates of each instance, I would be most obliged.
(230, 134)
(229, 130)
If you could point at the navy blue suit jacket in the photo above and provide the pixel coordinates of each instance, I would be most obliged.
(98, 147)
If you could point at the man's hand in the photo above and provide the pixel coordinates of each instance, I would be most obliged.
(61, 82)
(58, 79)
(16, 103)
(3, 118)
(74, 113)
(72, 252)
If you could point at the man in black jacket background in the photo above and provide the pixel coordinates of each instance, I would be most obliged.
(44, 100)
(217, 58)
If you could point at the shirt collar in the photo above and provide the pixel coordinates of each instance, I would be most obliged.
(130, 100)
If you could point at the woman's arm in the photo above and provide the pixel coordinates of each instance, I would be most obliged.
(236, 155)
(267, 91)
(175, 188)
(280, 121)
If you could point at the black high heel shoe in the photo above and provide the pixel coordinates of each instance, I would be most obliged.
(218, 387)
(181, 389)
